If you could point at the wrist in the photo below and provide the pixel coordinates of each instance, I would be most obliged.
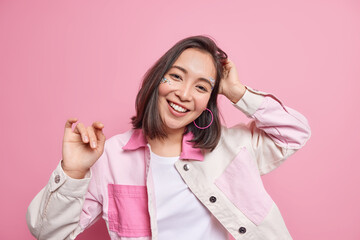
(76, 174)
(236, 93)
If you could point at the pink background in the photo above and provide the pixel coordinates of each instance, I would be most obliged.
(85, 59)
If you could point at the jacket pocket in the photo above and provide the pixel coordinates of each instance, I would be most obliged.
(242, 185)
(128, 210)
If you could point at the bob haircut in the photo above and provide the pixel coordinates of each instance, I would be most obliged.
(147, 113)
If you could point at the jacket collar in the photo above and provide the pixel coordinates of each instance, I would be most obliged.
(188, 151)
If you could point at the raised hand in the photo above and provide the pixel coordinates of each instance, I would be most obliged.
(230, 86)
(81, 147)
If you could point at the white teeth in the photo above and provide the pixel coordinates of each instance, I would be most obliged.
(177, 107)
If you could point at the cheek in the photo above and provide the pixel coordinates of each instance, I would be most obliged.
(202, 102)
(162, 89)
(163, 92)
(165, 88)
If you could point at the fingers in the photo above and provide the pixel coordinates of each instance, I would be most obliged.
(95, 134)
(91, 134)
(228, 65)
(80, 129)
(98, 126)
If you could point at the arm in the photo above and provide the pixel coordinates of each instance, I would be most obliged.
(55, 211)
(69, 203)
(276, 132)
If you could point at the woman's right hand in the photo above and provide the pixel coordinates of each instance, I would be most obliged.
(78, 151)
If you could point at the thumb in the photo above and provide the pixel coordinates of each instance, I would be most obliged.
(68, 125)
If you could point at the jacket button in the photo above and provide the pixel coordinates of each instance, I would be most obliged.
(57, 178)
(212, 199)
(242, 230)
(186, 167)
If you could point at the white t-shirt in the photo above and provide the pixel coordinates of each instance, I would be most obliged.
(180, 215)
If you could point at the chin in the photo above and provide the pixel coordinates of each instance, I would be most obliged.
(174, 126)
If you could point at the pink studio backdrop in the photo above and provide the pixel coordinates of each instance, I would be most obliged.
(85, 59)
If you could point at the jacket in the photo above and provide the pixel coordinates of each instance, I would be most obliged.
(119, 188)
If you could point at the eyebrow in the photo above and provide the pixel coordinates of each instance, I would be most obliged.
(184, 70)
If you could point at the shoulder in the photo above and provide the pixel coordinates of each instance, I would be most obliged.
(234, 138)
(239, 131)
(119, 140)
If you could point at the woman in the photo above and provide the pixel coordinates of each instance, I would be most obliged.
(178, 174)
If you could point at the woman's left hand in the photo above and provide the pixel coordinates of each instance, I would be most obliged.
(230, 86)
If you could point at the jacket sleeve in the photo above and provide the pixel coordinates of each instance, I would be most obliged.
(276, 132)
(57, 210)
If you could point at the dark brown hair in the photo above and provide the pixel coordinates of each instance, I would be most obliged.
(147, 113)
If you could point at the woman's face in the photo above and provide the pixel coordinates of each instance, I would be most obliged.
(185, 93)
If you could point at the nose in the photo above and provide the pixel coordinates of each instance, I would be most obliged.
(184, 93)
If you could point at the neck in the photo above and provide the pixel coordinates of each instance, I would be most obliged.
(169, 146)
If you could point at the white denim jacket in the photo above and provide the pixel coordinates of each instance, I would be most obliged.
(119, 188)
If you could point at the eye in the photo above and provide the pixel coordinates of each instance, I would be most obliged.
(202, 88)
(175, 76)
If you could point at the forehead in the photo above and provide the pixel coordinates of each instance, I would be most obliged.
(197, 62)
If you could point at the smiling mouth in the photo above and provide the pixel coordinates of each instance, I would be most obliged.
(178, 108)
